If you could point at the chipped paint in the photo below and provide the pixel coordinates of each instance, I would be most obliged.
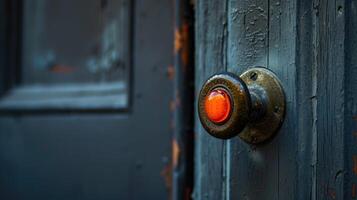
(182, 44)
(178, 41)
(166, 174)
(175, 153)
(185, 54)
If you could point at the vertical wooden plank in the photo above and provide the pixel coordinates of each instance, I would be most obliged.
(330, 98)
(350, 172)
(210, 59)
(282, 60)
(305, 102)
(265, 33)
(253, 170)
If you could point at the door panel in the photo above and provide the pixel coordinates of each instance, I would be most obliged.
(75, 57)
(83, 150)
(305, 43)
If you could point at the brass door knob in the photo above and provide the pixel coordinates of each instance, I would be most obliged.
(251, 106)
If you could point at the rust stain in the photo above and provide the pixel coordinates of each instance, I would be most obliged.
(185, 54)
(178, 41)
(353, 191)
(182, 44)
(175, 153)
(61, 69)
(171, 72)
(166, 174)
(354, 158)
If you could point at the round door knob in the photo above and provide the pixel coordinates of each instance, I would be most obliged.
(251, 106)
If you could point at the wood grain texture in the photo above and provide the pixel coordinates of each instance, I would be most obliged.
(303, 126)
(210, 58)
(253, 170)
(310, 45)
(282, 60)
(330, 93)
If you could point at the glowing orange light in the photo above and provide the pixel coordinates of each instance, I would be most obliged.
(218, 105)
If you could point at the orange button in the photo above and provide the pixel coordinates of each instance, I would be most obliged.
(218, 105)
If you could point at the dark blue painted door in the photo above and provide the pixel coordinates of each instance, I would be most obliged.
(84, 105)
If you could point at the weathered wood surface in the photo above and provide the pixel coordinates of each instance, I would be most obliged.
(330, 98)
(211, 47)
(310, 45)
(253, 171)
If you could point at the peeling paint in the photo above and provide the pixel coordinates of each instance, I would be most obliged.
(182, 44)
(175, 153)
(166, 174)
(178, 41)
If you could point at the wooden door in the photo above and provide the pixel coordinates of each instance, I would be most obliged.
(84, 105)
(311, 46)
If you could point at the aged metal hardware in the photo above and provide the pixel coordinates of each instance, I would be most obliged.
(256, 103)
